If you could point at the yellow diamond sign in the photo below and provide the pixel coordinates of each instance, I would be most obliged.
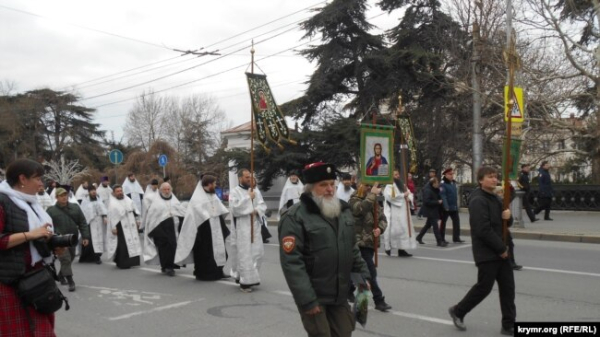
(517, 113)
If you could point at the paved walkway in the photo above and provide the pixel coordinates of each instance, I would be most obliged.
(567, 226)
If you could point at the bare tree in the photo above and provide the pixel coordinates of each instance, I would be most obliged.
(145, 121)
(64, 171)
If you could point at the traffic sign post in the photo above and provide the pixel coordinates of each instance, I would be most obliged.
(517, 112)
(116, 157)
(162, 162)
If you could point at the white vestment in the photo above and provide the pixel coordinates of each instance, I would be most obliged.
(44, 200)
(342, 194)
(104, 193)
(135, 191)
(93, 212)
(122, 211)
(203, 206)
(246, 256)
(159, 211)
(290, 191)
(400, 233)
(148, 197)
(81, 193)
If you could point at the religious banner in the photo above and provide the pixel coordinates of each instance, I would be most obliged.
(407, 144)
(268, 119)
(513, 162)
(376, 153)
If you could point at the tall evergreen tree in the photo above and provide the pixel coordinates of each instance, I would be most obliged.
(347, 57)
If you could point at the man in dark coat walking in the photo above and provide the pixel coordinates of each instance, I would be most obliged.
(524, 185)
(546, 191)
(490, 252)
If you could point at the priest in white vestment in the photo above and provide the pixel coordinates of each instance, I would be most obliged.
(44, 198)
(246, 246)
(96, 217)
(203, 233)
(164, 217)
(134, 191)
(104, 191)
(344, 189)
(123, 240)
(400, 233)
(290, 195)
(82, 192)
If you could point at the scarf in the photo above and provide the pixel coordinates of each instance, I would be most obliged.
(36, 216)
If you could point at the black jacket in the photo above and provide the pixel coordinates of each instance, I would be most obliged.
(523, 181)
(431, 202)
(485, 219)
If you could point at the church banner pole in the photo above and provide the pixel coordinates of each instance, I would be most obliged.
(252, 150)
(403, 144)
(376, 213)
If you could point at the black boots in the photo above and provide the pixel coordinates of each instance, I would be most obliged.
(71, 283)
(382, 306)
(403, 253)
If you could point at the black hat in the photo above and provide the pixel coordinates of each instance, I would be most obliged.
(345, 176)
(315, 172)
(154, 182)
(105, 178)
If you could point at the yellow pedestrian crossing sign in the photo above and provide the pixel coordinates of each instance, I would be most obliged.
(517, 112)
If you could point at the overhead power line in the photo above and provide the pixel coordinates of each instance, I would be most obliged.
(88, 28)
(211, 45)
(203, 78)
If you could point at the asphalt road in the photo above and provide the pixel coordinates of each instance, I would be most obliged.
(560, 282)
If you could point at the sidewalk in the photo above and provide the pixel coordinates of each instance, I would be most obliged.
(567, 226)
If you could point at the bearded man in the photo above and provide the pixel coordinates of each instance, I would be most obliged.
(317, 254)
(164, 219)
(203, 233)
(123, 242)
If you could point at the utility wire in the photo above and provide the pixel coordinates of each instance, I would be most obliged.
(182, 61)
(187, 69)
(211, 45)
(88, 28)
(203, 78)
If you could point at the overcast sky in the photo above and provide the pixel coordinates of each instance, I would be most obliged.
(87, 46)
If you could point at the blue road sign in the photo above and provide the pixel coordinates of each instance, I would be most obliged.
(115, 156)
(162, 160)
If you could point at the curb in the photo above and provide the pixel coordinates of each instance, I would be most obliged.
(525, 235)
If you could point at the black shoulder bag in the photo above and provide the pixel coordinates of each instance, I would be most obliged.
(38, 288)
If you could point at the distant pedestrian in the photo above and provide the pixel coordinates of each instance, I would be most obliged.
(490, 254)
(525, 186)
(449, 194)
(400, 234)
(44, 198)
(96, 216)
(410, 183)
(432, 173)
(104, 191)
(546, 192)
(344, 188)
(432, 203)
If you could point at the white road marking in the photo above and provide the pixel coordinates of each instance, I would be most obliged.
(559, 271)
(419, 317)
(166, 307)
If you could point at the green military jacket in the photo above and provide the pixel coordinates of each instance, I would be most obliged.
(317, 256)
(362, 209)
(68, 220)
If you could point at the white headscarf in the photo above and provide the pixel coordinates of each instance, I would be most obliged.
(36, 216)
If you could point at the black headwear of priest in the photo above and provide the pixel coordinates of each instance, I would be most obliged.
(315, 172)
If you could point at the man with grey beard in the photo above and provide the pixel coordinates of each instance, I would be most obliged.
(320, 228)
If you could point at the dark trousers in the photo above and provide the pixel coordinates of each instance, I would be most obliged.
(165, 241)
(527, 207)
(487, 274)
(432, 222)
(367, 255)
(455, 225)
(333, 321)
(544, 205)
(66, 259)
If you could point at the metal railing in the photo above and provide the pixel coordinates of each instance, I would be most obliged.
(566, 197)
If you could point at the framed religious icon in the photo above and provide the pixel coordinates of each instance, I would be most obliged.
(376, 153)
